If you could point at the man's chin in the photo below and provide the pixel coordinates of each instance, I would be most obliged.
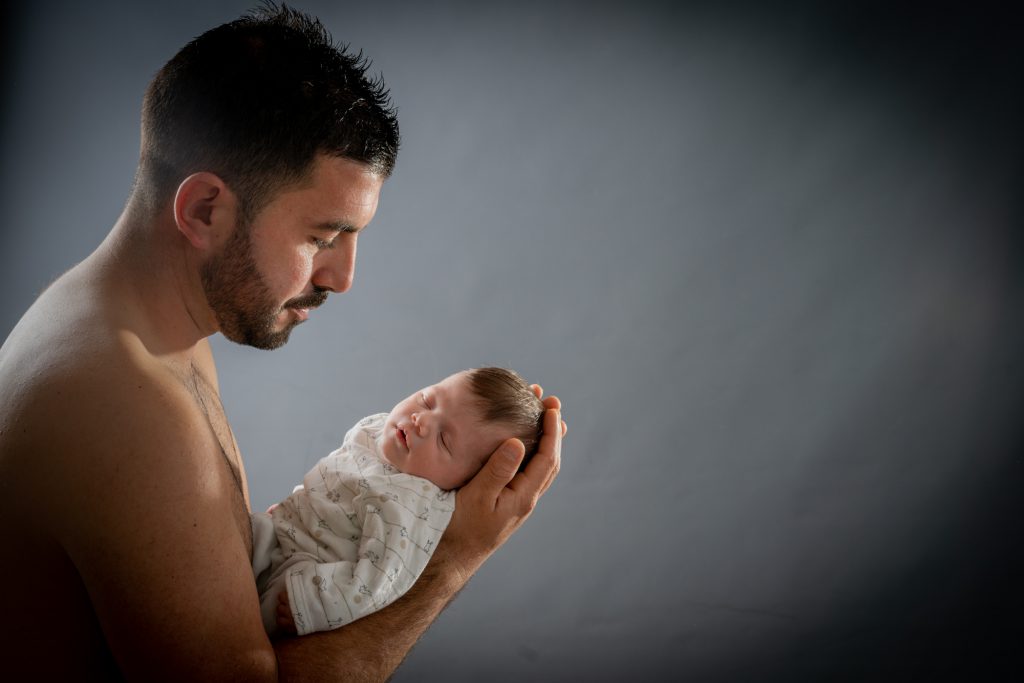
(264, 339)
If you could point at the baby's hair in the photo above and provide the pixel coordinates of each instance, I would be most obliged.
(504, 397)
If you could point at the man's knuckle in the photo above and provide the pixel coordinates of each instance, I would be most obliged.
(527, 504)
(502, 472)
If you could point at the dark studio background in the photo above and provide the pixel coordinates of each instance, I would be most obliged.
(769, 255)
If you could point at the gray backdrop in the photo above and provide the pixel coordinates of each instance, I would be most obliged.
(768, 256)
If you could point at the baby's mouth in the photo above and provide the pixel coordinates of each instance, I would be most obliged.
(402, 438)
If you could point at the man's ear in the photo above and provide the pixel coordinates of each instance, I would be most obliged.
(204, 209)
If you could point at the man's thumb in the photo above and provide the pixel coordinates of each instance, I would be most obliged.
(504, 464)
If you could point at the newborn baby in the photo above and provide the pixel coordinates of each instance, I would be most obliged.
(360, 529)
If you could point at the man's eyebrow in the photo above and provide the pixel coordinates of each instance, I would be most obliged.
(336, 226)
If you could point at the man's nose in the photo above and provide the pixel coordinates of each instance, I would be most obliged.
(336, 268)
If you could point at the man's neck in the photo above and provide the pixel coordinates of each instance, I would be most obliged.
(155, 272)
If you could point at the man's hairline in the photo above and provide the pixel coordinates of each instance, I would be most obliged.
(303, 182)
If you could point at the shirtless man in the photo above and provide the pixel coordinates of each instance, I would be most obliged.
(129, 542)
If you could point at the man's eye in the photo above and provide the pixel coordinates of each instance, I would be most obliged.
(322, 244)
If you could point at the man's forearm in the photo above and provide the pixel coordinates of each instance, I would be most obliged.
(371, 648)
(488, 510)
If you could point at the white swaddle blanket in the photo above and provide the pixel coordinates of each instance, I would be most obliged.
(351, 540)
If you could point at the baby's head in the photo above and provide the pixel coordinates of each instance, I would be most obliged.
(446, 431)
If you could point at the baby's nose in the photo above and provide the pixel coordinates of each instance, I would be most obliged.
(419, 423)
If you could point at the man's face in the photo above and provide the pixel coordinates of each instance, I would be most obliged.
(436, 433)
(301, 246)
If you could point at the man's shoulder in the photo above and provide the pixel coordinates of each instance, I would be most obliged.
(104, 397)
(98, 426)
(107, 370)
(71, 341)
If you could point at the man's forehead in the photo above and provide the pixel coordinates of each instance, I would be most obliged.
(339, 185)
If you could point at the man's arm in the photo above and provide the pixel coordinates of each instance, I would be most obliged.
(371, 648)
(146, 508)
(487, 511)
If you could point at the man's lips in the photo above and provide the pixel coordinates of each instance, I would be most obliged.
(313, 300)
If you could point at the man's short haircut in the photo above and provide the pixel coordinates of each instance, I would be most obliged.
(255, 101)
(505, 398)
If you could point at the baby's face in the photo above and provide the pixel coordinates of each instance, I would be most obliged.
(436, 433)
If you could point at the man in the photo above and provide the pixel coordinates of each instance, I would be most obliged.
(128, 551)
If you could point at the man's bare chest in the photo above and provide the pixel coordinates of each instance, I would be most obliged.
(228, 456)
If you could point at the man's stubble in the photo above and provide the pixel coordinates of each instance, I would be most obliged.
(239, 296)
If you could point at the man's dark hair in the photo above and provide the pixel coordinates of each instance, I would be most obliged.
(255, 101)
(505, 398)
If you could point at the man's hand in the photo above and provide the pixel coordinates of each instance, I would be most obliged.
(488, 509)
(498, 500)
(285, 621)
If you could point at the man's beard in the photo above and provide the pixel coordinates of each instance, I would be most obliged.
(240, 299)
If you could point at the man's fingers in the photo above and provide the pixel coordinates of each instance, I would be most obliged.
(552, 438)
(544, 465)
(552, 402)
(537, 390)
(500, 468)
